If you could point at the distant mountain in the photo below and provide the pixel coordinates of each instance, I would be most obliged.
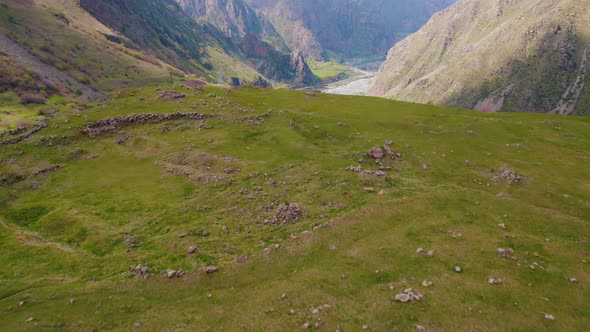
(157, 26)
(234, 18)
(254, 35)
(324, 29)
(501, 55)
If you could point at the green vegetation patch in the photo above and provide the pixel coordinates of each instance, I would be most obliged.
(279, 191)
(26, 216)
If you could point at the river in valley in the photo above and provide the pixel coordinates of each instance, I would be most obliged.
(357, 85)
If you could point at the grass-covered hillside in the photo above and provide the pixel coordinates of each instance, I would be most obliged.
(63, 36)
(280, 196)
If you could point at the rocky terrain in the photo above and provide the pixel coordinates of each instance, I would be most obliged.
(161, 28)
(521, 55)
(346, 28)
(52, 77)
(255, 37)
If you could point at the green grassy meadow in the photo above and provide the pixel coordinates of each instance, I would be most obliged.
(69, 238)
(326, 70)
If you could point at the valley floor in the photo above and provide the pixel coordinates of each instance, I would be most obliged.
(275, 189)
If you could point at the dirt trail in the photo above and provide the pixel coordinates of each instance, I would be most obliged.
(25, 58)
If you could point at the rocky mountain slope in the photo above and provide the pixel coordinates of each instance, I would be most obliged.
(235, 18)
(255, 36)
(162, 28)
(109, 44)
(517, 55)
(58, 36)
(346, 28)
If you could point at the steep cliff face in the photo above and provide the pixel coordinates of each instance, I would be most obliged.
(254, 35)
(158, 26)
(163, 29)
(287, 67)
(346, 28)
(501, 55)
(234, 18)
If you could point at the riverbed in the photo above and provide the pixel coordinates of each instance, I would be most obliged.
(357, 86)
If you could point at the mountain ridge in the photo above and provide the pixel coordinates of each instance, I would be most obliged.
(520, 55)
(254, 36)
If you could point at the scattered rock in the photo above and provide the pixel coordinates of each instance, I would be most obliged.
(211, 269)
(409, 295)
(430, 253)
(231, 171)
(369, 189)
(306, 325)
(471, 133)
(285, 214)
(419, 251)
(124, 139)
(425, 167)
(506, 253)
(573, 280)
(503, 226)
(426, 283)
(174, 273)
(171, 95)
(549, 317)
(420, 328)
(40, 126)
(458, 269)
(381, 174)
(402, 298)
(356, 169)
(375, 153)
(109, 125)
(192, 250)
(140, 271)
(241, 259)
(48, 170)
(273, 247)
(494, 281)
(509, 176)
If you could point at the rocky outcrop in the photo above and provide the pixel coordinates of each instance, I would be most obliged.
(235, 18)
(40, 126)
(287, 67)
(109, 125)
(255, 36)
(44, 72)
(517, 55)
(302, 72)
(163, 29)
